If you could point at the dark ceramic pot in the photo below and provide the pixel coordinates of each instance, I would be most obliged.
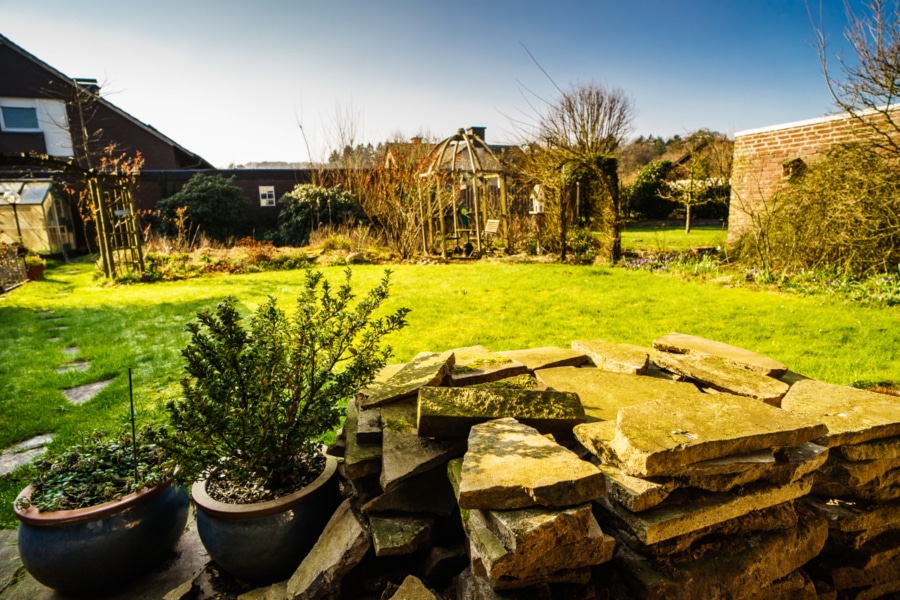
(266, 541)
(102, 546)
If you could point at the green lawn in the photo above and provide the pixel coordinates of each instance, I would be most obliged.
(501, 306)
(672, 237)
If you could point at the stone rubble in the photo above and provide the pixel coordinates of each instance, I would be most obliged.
(465, 480)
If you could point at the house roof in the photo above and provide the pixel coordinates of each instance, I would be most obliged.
(201, 162)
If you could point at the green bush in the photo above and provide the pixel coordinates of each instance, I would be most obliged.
(307, 207)
(215, 206)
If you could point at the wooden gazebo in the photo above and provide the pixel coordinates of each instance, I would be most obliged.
(465, 193)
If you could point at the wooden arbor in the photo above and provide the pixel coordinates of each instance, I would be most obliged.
(465, 193)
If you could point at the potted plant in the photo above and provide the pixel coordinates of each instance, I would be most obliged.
(257, 402)
(99, 514)
(34, 266)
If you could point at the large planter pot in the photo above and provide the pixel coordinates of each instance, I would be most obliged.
(35, 273)
(264, 542)
(102, 546)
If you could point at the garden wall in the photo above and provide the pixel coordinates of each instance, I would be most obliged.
(766, 158)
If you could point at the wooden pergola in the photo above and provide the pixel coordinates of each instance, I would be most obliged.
(462, 163)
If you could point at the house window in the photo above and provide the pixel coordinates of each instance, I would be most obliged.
(18, 118)
(267, 195)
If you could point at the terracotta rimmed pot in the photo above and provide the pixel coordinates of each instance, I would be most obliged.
(264, 542)
(89, 549)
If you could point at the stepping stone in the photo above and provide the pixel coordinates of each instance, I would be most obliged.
(617, 358)
(75, 365)
(55, 338)
(404, 453)
(680, 343)
(718, 374)
(62, 327)
(45, 312)
(876, 449)
(545, 358)
(510, 465)
(70, 349)
(398, 535)
(852, 416)
(696, 510)
(83, 393)
(602, 393)
(412, 588)
(24, 453)
(451, 412)
(659, 437)
(426, 369)
(342, 545)
(477, 364)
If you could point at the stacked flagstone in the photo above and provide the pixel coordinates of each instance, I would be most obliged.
(483, 475)
(858, 489)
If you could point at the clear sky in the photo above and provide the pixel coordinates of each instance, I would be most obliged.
(234, 80)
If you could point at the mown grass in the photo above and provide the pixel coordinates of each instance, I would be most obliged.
(502, 306)
(672, 238)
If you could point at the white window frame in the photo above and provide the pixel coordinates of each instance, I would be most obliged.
(13, 103)
(267, 195)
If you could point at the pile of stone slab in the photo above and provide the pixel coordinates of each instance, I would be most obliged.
(606, 471)
(858, 489)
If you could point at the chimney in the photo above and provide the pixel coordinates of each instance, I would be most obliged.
(476, 131)
(89, 85)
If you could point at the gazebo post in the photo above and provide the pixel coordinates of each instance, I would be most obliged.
(504, 214)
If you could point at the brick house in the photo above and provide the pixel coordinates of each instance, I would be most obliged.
(765, 159)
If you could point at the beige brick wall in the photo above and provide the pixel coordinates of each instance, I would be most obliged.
(760, 153)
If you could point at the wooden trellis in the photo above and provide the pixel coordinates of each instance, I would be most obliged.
(118, 235)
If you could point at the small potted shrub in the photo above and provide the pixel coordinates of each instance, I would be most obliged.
(99, 513)
(257, 402)
(34, 266)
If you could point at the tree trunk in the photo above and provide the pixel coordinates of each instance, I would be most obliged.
(687, 220)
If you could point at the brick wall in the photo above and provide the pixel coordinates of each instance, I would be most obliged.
(760, 155)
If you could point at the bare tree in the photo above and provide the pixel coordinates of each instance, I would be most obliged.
(867, 85)
(587, 119)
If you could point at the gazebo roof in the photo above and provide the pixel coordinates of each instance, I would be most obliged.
(464, 152)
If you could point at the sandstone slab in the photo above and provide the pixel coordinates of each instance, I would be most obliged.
(412, 588)
(451, 412)
(426, 369)
(429, 492)
(510, 465)
(602, 393)
(404, 453)
(689, 512)
(716, 373)
(681, 343)
(536, 530)
(546, 358)
(845, 577)
(359, 461)
(757, 561)
(617, 358)
(658, 437)
(472, 587)
(633, 493)
(886, 448)
(852, 416)
(477, 364)
(848, 516)
(395, 535)
(795, 586)
(369, 431)
(858, 473)
(342, 545)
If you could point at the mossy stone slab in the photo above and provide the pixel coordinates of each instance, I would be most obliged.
(659, 437)
(451, 412)
(429, 492)
(852, 416)
(359, 460)
(695, 510)
(721, 375)
(584, 547)
(405, 454)
(510, 465)
(412, 588)
(681, 343)
(740, 574)
(426, 369)
(546, 358)
(478, 364)
(634, 493)
(885, 448)
(616, 358)
(396, 535)
(537, 529)
(602, 393)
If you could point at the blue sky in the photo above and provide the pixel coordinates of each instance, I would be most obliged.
(234, 80)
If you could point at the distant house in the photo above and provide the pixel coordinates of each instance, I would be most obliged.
(44, 112)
